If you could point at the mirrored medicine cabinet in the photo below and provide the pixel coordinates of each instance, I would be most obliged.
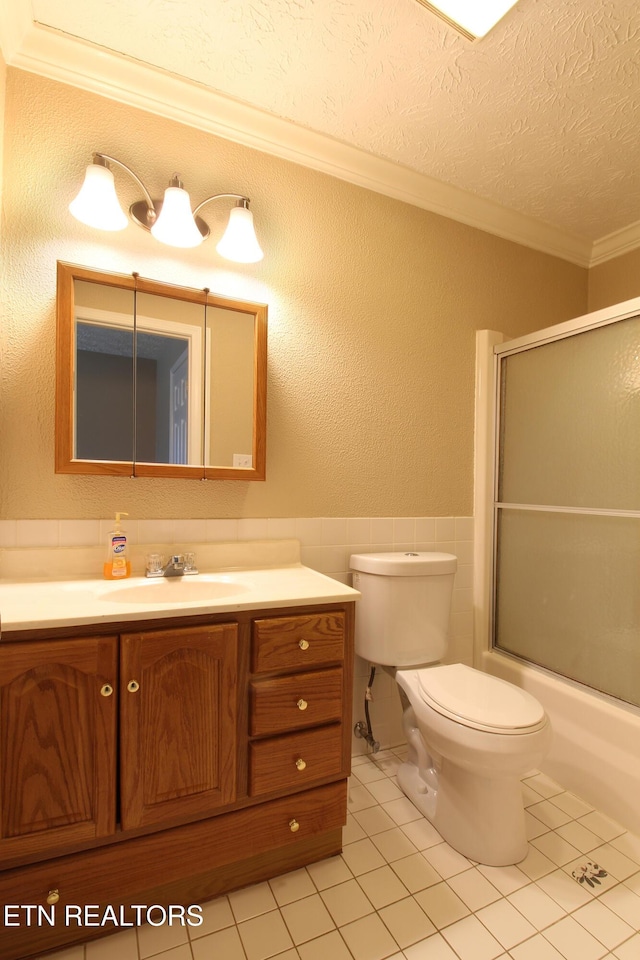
(156, 380)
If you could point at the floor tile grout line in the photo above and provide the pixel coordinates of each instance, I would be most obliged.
(531, 881)
(567, 912)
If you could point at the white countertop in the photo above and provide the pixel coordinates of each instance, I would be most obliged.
(38, 604)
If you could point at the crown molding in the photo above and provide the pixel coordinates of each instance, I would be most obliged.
(58, 56)
(15, 23)
(616, 244)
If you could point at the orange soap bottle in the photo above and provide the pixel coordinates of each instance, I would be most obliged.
(117, 565)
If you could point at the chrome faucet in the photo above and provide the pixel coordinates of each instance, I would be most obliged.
(175, 566)
(178, 565)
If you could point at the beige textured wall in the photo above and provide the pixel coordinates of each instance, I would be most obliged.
(614, 281)
(3, 90)
(373, 307)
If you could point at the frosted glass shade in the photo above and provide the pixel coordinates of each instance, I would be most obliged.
(96, 203)
(239, 241)
(175, 225)
(473, 17)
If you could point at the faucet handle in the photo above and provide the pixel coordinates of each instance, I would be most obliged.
(155, 564)
(190, 563)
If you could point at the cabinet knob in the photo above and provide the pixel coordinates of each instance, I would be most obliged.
(294, 826)
(133, 686)
(53, 896)
(303, 644)
(300, 763)
(106, 690)
(302, 704)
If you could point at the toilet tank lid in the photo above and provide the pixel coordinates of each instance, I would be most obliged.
(404, 564)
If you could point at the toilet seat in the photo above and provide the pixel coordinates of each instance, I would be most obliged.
(479, 700)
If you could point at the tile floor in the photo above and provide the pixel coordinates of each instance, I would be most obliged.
(399, 892)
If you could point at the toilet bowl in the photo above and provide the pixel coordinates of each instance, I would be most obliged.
(471, 736)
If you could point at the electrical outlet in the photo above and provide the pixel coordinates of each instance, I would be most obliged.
(243, 460)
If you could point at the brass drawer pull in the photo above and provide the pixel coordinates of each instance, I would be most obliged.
(52, 897)
(302, 704)
(303, 644)
(300, 763)
(133, 686)
(294, 826)
(106, 690)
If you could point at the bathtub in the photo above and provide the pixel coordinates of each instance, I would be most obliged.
(595, 751)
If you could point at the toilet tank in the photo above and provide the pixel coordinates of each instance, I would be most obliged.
(402, 618)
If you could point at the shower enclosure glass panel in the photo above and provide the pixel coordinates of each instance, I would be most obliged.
(568, 598)
(568, 506)
(570, 421)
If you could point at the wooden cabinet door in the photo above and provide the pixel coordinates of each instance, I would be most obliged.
(178, 723)
(57, 743)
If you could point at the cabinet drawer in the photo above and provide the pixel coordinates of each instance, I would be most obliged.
(127, 873)
(296, 701)
(294, 643)
(280, 763)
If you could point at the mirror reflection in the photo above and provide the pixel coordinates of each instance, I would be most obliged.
(158, 380)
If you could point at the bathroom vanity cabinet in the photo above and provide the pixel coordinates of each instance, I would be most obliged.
(167, 762)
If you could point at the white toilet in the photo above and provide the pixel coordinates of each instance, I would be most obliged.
(471, 736)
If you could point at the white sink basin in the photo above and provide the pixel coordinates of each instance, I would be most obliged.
(175, 590)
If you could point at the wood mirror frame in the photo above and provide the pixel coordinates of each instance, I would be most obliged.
(66, 460)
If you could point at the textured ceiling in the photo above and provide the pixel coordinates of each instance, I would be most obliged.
(542, 115)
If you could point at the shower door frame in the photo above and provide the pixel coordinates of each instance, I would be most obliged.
(491, 348)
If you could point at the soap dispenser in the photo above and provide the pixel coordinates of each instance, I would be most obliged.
(117, 565)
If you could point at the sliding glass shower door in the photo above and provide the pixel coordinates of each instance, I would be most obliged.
(567, 561)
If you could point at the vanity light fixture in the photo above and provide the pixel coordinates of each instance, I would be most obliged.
(171, 220)
(472, 18)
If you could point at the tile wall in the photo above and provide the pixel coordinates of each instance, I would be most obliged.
(326, 544)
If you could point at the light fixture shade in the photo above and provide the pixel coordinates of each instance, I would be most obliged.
(239, 241)
(175, 224)
(96, 204)
(472, 18)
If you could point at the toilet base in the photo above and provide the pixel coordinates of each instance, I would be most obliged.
(481, 818)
